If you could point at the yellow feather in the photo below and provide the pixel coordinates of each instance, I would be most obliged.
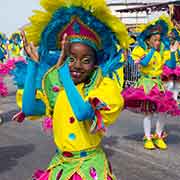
(52, 5)
(97, 7)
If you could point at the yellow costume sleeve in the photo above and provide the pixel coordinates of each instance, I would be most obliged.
(108, 93)
(166, 55)
(137, 53)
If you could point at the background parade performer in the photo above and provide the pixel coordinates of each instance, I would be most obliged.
(171, 69)
(3, 51)
(15, 46)
(149, 95)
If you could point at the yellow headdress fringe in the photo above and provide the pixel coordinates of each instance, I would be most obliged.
(98, 8)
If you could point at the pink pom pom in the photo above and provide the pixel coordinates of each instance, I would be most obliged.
(93, 173)
(3, 88)
(55, 88)
(47, 124)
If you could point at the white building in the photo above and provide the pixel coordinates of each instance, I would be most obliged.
(135, 18)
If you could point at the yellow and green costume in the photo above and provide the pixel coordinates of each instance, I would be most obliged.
(15, 50)
(148, 95)
(80, 114)
(15, 45)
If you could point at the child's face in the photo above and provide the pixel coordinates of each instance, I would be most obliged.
(154, 41)
(15, 40)
(82, 62)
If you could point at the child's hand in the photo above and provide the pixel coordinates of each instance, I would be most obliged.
(29, 48)
(64, 51)
(174, 47)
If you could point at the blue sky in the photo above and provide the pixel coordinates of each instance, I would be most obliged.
(15, 13)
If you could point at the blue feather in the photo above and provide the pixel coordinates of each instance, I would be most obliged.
(49, 40)
(19, 74)
(112, 64)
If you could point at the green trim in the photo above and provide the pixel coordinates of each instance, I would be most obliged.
(95, 159)
(95, 80)
(148, 82)
(51, 79)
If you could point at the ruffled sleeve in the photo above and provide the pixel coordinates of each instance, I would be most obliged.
(138, 53)
(107, 103)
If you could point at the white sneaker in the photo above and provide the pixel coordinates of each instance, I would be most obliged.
(1, 120)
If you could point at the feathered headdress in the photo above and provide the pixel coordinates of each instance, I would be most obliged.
(3, 38)
(89, 22)
(161, 25)
(15, 37)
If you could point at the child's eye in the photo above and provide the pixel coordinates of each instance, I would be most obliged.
(86, 61)
(72, 59)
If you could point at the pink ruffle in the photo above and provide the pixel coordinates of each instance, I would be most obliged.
(154, 101)
(17, 59)
(3, 88)
(177, 71)
(169, 73)
(5, 69)
(47, 124)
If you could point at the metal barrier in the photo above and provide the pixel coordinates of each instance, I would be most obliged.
(131, 73)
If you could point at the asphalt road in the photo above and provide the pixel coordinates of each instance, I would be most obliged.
(24, 147)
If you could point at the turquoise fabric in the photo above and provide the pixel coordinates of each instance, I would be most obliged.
(172, 62)
(30, 105)
(83, 110)
(145, 60)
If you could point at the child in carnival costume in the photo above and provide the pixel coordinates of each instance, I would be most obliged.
(15, 47)
(149, 96)
(3, 52)
(5, 67)
(5, 70)
(16, 58)
(79, 92)
(171, 69)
